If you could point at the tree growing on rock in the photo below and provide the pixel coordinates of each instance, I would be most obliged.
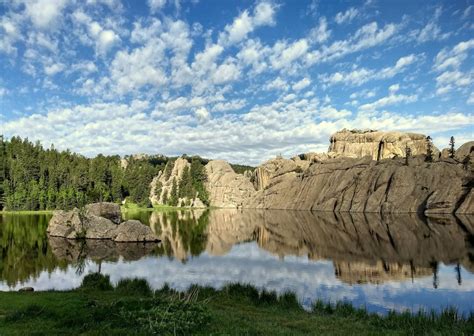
(173, 200)
(429, 149)
(451, 148)
(407, 154)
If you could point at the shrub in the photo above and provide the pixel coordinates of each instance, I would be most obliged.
(96, 281)
(134, 286)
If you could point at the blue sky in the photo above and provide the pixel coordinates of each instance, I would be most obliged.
(236, 80)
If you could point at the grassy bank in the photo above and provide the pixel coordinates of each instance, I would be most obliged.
(26, 212)
(131, 307)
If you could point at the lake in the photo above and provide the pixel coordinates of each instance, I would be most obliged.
(382, 262)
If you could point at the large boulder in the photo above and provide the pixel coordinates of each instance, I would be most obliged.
(65, 224)
(134, 231)
(80, 224)
(96, 227)
(465, 150)
(105, 209)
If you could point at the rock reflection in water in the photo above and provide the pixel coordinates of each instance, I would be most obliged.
(364, 248)
(75, 251)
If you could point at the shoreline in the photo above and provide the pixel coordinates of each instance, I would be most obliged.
(131, 306)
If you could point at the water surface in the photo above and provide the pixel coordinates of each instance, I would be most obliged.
(381, 262)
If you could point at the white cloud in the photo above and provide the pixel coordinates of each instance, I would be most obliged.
(329, 112)
(470, 100)
(44, 13)
(363, 75)
(156, 5)
(393, 88)
(391, 99)
(321, 33)
(347, 16)
(254, 54)
(365, 37)
(300, 85)
(245, 23)
(284, 55)
(53, 69)
(432, 31)
(277, 84)
(10, 33)
(202, 113)
(103, 38)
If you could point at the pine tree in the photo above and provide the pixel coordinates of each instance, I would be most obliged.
(451, 147)
(173, 200)
(429, 149)
(407, 154)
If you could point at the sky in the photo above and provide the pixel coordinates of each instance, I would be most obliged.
(237, 80)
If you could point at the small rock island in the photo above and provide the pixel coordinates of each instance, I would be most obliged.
(99, 221)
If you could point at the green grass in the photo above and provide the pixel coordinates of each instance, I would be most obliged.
(26, 212)
(131, 307)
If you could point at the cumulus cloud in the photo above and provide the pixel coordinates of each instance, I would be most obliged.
(300, 85)
(246, 23)
(391, 99)
(44, 13)
(448, 63)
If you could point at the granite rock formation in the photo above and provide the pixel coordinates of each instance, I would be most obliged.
(378, 145)
(89, 224)
(364, 171)
(226, 188)
(364, 185)
(162, 184)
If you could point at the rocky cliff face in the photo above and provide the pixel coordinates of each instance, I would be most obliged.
(364, 185)
(162, 185)
(378, 145)
(364, 171)
(226, 188)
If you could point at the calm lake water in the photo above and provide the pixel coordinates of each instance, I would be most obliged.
(382, 262)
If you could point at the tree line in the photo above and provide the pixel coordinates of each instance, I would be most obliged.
(36, 178)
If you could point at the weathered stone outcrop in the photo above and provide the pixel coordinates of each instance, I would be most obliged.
(464, 151)
(105, 209)
(80, 224)
(364, 185)
(276, 167)
(226, 188)
(378, 145)
(133, 231)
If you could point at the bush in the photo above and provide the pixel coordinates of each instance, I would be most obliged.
(96, 281)
(168, 317)
(134, 286)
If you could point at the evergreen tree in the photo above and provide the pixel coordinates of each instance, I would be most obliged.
(173, 200)
(451, 147)
(429, 149)
(407, 154)
(199, 178)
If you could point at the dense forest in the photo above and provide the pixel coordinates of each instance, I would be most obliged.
(35, 178)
